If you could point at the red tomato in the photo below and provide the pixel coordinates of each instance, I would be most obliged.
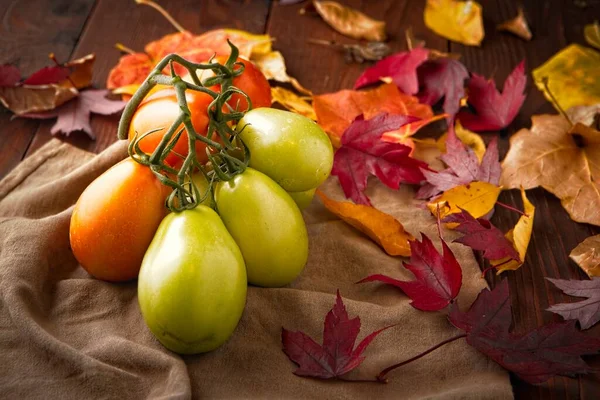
(253, 83)
(115, 219)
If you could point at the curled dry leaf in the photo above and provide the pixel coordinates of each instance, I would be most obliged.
(587, 256)
(517, 26)
(476, 198)
(459, 21)
(563, 159)
(382, 228)
(272, 65)
(372, 51)
(573, 77)
(350, 22)
(519, 237)
(587, 311)
(592, 34)
(293, 102)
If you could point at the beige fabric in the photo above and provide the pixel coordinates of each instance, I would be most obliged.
(66, 335)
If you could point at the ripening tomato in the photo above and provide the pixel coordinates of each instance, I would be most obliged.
(192, 285)
(266, 224)
(115, 219)
(252, 82)
(303, 199)
(159, 111)
(290, 148)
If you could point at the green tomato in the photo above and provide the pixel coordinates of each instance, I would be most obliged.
(192, 284)
(303, 199)
(266, 224)
(290, 148)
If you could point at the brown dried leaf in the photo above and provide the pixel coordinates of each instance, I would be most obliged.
(517, 26)
(26, 99)
(592, 34)
(272, 65)
(350, 22)
(587, 255)
(292, 102)
(81, 71)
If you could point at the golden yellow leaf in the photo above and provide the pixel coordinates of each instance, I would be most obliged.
(477, 198)
(350, 22)
(519, 236)
(459, 21)
(563, 159)
(573, 77)
(293, 102)
(587, 255)
(272, 65)
(470, 139)
(517, 26)
(592, 34)
(382, 228)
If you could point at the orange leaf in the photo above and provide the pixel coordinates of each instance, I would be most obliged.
(131, 69)
(336, 111)
(382, 228)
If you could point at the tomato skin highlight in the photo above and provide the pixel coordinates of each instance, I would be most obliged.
(267, 226)
(290, 148)
(192, 285)
(114, 221)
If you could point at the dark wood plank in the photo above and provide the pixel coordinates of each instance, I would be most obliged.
(30, 30)
(106, 26)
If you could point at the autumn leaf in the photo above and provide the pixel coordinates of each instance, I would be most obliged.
(468, 138)
(495, 111)
(75, 114)
(382, 228)
(573, 77)
(9, 75)
(336, 111)
(438, 276)
(337, 356)
(477, 198)
(587, 256)
(442, 78)
(519, 236)
(481, 235)
(459, 21)
(591, 32)
(272, 65)
(355, 52)
(47, 76)
(350, 22)
(534, 356)
(292, 102)
(364, 153)
(401, 68)
(587, 311)
(563, 159)
(517, 26)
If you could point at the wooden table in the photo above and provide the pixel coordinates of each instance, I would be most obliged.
(72, 28)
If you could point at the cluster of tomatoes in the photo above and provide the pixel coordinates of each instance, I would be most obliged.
(193, 266)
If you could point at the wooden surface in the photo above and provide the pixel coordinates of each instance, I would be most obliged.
(31, 29)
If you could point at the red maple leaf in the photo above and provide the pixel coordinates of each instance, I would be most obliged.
(587, 312)
(535, 356)
(48, 75)
(480, 234)
(363, 152)
(443, 77)
(400, 67)
(438, 276)
(463, 167)
(495, 111)
(337, 356)
(9, 75)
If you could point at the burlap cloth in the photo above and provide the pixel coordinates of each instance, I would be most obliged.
(65, 335)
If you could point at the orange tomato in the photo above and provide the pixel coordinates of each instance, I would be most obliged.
(115, 219)
(159, 111)
(252, 82)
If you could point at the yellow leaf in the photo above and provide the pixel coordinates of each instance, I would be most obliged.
(272, 65)
(587, 255)
(477, 198)
(519, 236)
(459, 21)
(382, 228)
(350, 22)
(592, 34)
(517, 26)
(573, 77)
(293, 102)
(470, 139)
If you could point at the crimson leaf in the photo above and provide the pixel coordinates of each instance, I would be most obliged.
(480, 234)
(495, 111)
(587, 312)
(442, 77)
(337, 356)
(9, 75)
(75, 114)
(536, 356)
(363, 152)
(48, 76)
(400, 67)
(438, 277)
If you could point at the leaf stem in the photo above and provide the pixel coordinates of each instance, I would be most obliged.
(382, 375)
(511, 208)
(163, 12)
(554, 101)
